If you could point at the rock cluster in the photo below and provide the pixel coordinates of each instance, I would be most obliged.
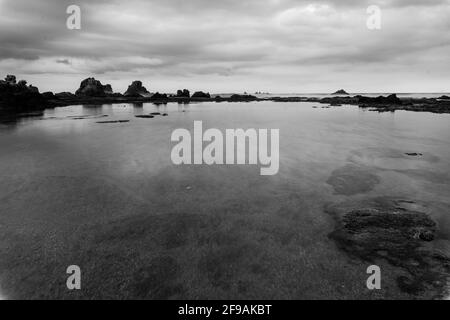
(391, 100)
(201, 95)
(19, 96)
(91, 87)
(183, 93)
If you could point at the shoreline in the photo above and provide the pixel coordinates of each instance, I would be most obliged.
(380, 104)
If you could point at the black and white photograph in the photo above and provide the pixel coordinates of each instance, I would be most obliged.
(251, 151)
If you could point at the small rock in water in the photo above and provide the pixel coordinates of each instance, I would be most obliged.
(114, 121)
(414, 154)
(145, 116)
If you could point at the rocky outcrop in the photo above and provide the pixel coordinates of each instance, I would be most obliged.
(18, 96)
(341, 92)
(183, 93)
(201, 95)
(136, 90)
(390, 100)
(91, 87)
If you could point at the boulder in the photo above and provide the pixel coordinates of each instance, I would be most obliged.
(93, 88)
(136, 90)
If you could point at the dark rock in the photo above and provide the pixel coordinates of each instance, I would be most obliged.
(414, 154)
(243, 97)
(159, 96)
(444, 98)
(201, 95)
(48, 95)
(389, 100)
(136, 90)
(65, 95)
(91, 87)
(341, 92)
(114, 121)
(183, 93)
(18, 97)
(145, 116)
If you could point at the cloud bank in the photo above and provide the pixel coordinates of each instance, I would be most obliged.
(230, 45)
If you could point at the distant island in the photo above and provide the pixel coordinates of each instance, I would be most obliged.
(17, 97)
(341, 92)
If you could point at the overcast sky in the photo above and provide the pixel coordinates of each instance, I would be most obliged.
(281, 46)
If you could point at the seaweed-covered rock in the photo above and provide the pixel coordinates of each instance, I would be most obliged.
(389, 229)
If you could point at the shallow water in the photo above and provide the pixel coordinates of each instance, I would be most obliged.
(107, 197)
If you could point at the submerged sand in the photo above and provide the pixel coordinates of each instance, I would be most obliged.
(106, 197)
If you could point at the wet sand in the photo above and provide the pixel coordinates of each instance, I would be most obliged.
(107, 198)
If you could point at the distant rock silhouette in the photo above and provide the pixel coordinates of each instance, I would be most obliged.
(391, 99)
(183, 93)
(342, 92)
(18, 96)
(201, 95)
(91, 87)
(158, 96)
(136, 90)
(242, 97)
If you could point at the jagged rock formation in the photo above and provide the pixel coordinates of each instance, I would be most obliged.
(136, 90)
(93, 88)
